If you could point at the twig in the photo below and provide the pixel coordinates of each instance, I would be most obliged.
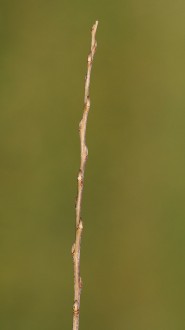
(84, 154)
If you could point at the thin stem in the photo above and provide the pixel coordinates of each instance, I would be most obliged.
(84, 154)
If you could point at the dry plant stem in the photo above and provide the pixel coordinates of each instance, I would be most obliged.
(84, 155)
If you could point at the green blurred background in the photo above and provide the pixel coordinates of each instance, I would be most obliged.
(133, 249)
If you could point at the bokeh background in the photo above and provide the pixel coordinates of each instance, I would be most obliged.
(133, 248)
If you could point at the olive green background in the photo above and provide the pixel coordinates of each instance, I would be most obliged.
(133, 248)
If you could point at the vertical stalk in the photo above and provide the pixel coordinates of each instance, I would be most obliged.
(84, 155)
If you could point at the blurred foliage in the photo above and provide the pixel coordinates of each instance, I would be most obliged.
(133, 245)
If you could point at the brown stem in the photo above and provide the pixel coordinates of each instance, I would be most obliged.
(84, 154)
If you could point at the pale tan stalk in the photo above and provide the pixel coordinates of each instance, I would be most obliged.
(84, 155)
